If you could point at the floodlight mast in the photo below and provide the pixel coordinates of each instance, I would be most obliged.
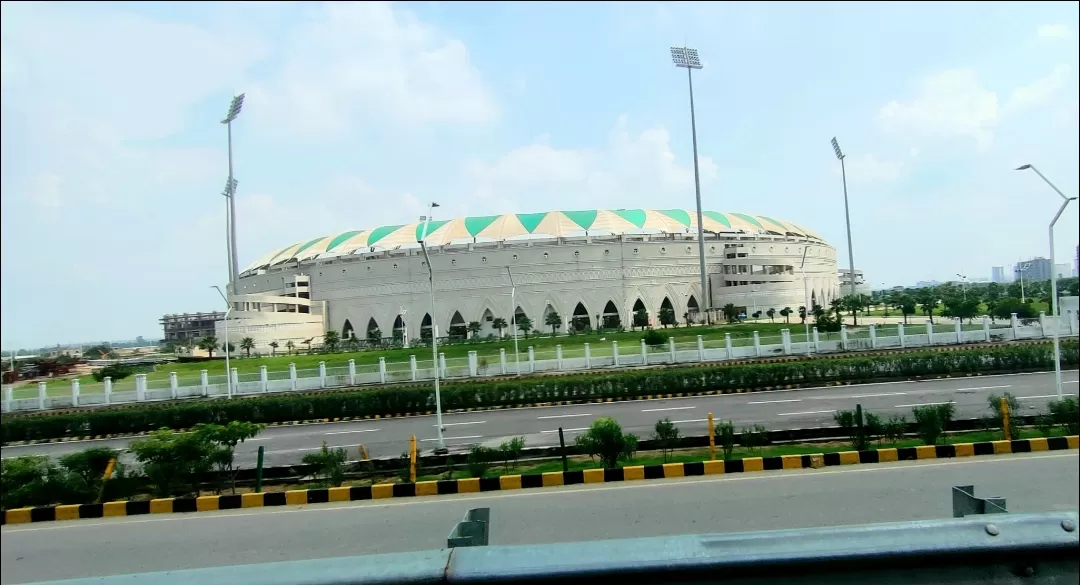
(688, 59)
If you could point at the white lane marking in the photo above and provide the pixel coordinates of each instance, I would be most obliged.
(354, 431)
(775, 401)
(567, 430)
(455, 438)
(1072, 382)
(566, 415)
(876, 395)
(980, 388)
(1044, 396)
(475, 422)
(692, 420)
(266, 438)
(809, 412)
(923, 404)
(313, 448)
(904, 466)
(671, 408)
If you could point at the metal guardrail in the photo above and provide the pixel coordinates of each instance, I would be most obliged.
(964, 503)
(472, 531)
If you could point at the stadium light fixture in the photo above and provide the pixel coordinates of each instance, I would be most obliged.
(1055, 306)
(228, 370)
(513, 320)
(441, 449)
(687, 58)
(235, 106)
(847, 215)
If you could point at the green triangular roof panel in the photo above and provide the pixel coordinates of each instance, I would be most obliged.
(380, 233)
(678, 215)
(749, 220)
(475, 225)
(782, 227)
(584, 219)
(341, 238)
(308, 245)
(634, 216)
(717, 217)
(530, 220)
(431, 228)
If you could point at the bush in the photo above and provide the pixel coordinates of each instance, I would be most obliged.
(114, 371)
(725, 436)
(755, 437)
(654, 338)
(893, 429)
(1065, 415)
(525, 391)
(510, 450)
(330, 465)
(89, 465)
(932, 420)
(480, 459)
(174, 462)
(604, 439)
(666, 435)
(1014, 411)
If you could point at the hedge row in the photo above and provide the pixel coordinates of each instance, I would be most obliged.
(520, 392)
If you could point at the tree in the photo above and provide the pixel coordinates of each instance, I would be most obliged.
(786, 314)
(837, 305)
(99, 352)
(374, 336)
(273, 348)
(666, 435)
(247, 344)
(554, 321)
(604, 439)
(756, 315)
(731, 312)
(173, 462)
(498, 323)
(771, 313)
(853, 303)
(307, 342)
(289, 345)
(208, 344)
(330, 340)
(641, 318)
(802, 313)
(666, 316)
(230, 347)
(227, 437)
(928, 300)
(524, 324)
(474, 329)
(961, 308)
(905, 303)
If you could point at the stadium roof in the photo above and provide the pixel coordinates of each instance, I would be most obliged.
(520, 226)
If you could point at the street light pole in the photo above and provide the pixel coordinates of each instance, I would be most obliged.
(806, 298)
(1054, 305)
(441, 449)
(228, 370)
(234, 110)
(963, 282)
(513, 320)
(1023, 268)
(847, 214)
(687, 58)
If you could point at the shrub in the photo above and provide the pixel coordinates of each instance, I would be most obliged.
(173, 462)
(932, 420)
(604, 439)
(89, 465)
(725, 436)
(1014, 411)
(114, 371)
(1064, 414)
(873, 428)
(755, 437)
(666, 435)
(510, 450)
(479, 461)
(330, 465)
(654, 338)
(893, 429)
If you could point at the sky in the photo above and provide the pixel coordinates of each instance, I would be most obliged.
(357, 115)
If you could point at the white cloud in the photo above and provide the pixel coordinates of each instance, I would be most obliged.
(1054, 31)
(364, 63)
(1039, 91)
(631, 170)
(868, 169)
(45, 191)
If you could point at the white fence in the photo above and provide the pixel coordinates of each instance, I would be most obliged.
(579, 358)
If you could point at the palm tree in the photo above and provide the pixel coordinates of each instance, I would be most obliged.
(307, 342)
(230, 347)
(731, 313)
(208, 344)
(771, 313)
(802, 313)
(374, 336)
(554, 321)
(330, 340)
(247, 344)
(273, 348)
(474, 329)
(498, 323)
(786, 314)
(524, 324)
(837, 305)
(289, 345)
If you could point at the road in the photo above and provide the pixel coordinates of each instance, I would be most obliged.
(789, 409)
(911, 490)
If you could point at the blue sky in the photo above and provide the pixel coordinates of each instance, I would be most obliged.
(358, 114)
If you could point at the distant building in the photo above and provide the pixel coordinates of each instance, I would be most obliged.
(71, 352)
(861, 288)
(1036, 269)
(1063, 270)
(997, 274)
(189, 325)
(927, 283)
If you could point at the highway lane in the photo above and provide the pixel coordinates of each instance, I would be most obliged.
(792, 499)
(803, 408)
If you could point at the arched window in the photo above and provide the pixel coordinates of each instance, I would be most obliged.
(611, 318)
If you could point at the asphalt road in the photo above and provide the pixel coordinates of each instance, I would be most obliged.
(912, 490)
(790, 409)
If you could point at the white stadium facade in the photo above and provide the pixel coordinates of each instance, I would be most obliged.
(591, 267)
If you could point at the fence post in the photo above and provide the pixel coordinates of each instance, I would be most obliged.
(108, 389)
(959, 328)
(727, 346)
(712, 440)
(502, 360)
(558, 356)
(701, 348)
(382, 371)
(873, 336)
(929, 332)
(140, 387)
(235, 380)
(644, 353)
(1073, 322)
(75, 392)
(817, 339)
(322, 374)
(1042, 324)
(9, 394)
(562, 451)
(412, 366)
(442, 364)
(352, 372)
(900, 333)
(204, 382)
(264, 379)
(986, 328)
(173, 385)
(292, 376)
(843, 337)
(532, 360)
(671, 347)
(615, 352)
(588, 357)
(785, 338)
(41, 394)
(757, 344)
(1015, 324)
(472, 364)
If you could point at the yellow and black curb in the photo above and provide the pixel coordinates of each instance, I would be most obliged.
(535, 480)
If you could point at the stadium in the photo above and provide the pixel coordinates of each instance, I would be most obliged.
(593, 268)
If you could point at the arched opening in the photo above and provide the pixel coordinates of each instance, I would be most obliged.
(692, 310)
(374, 334)
(522, 323)
(611, 319)
(581, 321)
(425, 327)
(458, 328)
(487, 324)
(400, 334)
(347, 331)
(640, 318)
(666, 314)
(552, 320)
